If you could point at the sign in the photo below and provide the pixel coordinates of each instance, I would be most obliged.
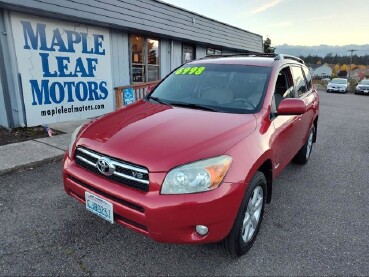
(128, 96)
(190, 70)
(65, 69)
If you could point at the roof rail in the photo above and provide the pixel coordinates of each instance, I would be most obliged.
(283, 56)
(256, 54)
(246, 54)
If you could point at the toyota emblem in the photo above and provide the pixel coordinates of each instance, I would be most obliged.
(105, 166)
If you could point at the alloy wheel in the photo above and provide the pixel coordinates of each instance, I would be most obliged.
(309, 144)
(252, 214)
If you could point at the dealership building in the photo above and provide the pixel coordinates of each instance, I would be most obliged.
(60, 60)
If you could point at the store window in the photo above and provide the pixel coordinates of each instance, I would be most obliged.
(153, 60)
(211, 51)
(145, 65)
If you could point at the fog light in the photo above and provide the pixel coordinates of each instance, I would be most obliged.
(202, 230)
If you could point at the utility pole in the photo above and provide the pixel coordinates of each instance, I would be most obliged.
(349, 73)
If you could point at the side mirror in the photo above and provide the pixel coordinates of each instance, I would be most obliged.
(291, 106)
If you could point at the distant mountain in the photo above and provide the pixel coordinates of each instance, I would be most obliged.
(322, 50)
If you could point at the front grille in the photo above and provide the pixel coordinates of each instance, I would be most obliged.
(107, 195)
(125, 173)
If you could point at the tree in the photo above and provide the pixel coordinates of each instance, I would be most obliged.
(335, 70)
(342, 74)
(267, 46)
(344, 67)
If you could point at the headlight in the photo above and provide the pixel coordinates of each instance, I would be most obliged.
(73, 140)
(199, 176)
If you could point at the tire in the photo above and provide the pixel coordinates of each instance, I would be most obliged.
(302, 157)
(245, 228)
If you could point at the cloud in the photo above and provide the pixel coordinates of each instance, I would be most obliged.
(280, 24)
(266, 6)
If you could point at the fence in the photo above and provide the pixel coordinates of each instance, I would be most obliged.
(139, 92)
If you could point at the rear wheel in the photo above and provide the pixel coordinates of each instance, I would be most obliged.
(248, 220)
(303, 155)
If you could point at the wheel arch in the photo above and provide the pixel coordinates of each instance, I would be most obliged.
(265, 165)
(266, 169)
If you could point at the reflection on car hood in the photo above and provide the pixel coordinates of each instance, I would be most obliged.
(161, 137)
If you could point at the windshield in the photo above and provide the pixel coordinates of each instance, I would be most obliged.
(339, 81)
(217, 87)
(364, 82)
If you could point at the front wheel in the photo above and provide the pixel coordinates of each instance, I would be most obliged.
(248, 220)
(303, 155)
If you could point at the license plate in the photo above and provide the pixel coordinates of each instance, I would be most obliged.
(99, 206)
(366, 91)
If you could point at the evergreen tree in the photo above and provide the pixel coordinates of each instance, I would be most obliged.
(267, 46)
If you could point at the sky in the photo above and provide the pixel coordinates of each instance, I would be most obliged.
(293, 22)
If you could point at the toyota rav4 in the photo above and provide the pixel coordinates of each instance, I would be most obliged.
(194, 161)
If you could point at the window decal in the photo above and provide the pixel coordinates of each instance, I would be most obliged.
(190, 70)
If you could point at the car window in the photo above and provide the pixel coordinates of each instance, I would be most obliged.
(224, 87)
(308, 78)
(283, 88)
(299, 80)
(339, 81)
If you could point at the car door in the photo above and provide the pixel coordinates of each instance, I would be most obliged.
(286, 126)
(304, 90)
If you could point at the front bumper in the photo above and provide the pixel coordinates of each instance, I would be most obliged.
(336, 89)
(164, 218)
(362, 91)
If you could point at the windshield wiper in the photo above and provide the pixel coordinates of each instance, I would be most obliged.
(157, 100)
(193, 106)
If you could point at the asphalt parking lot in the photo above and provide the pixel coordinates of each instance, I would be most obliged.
(317, 223)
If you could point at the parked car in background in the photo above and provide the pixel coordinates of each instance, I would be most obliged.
(194, 161)
(337, 85)
(362, 87)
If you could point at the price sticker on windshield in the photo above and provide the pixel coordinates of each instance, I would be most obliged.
(190, 70)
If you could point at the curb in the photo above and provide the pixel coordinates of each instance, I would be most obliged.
(32, 164)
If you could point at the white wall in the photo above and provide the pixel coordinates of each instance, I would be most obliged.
(3, 116)
(12, 90)
(120, 58)
(164, 58)
(200, 52)
(155, 17)
(177, 54)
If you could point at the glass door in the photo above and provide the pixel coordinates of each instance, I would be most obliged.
(188, 53)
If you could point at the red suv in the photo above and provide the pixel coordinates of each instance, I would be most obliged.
(194, 161)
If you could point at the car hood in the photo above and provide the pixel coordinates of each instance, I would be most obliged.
(161, 137)
(363, 86)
